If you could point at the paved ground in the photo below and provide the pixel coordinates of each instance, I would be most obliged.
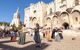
(66, 44)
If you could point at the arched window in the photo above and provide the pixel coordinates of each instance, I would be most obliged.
(48, 21)
(34, 18)
(76, 2)
(76, 19)
(34, 11)
(48, 18)
(63, 14)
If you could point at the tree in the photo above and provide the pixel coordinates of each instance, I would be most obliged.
(4, 23)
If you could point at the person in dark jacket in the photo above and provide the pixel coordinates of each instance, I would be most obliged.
(13, 36)
(53, 33)
(60, 33)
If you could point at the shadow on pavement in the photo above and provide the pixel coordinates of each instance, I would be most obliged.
(5, 41)
(30, 47)
(28, 42)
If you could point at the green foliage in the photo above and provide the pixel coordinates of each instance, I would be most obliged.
(4, 23)
(18, 28)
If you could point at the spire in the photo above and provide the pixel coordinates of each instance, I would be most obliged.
(17, 14)
(17, 10)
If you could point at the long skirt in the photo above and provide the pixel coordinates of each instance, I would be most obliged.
(57, 38)
(48, 36)
(22, 37)
(37, 38)
(61, 36)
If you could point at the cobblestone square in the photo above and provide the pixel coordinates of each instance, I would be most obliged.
(66, 44)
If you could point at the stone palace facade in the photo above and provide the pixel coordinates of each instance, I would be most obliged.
(53, 14)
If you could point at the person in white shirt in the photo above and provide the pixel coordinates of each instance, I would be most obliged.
(57, 36)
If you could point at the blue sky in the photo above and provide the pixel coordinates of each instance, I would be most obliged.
(8, 7)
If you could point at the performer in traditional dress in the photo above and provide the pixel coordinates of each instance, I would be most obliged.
(48, 34)
(22, 35)
(37, 35)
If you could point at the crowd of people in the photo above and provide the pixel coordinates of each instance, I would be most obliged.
(55, 34)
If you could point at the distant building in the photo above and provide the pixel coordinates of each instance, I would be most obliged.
(53, 14)
(16, 19)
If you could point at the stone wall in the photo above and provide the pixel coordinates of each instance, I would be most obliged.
(53, 14)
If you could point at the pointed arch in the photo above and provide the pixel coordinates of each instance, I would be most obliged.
(48, 21)
(55, 21)
(76, 11)
(65, 17)
(64, 13)
(54, 17)
(76, 16)
(34, 21)
(48, 18)
(34, 18)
